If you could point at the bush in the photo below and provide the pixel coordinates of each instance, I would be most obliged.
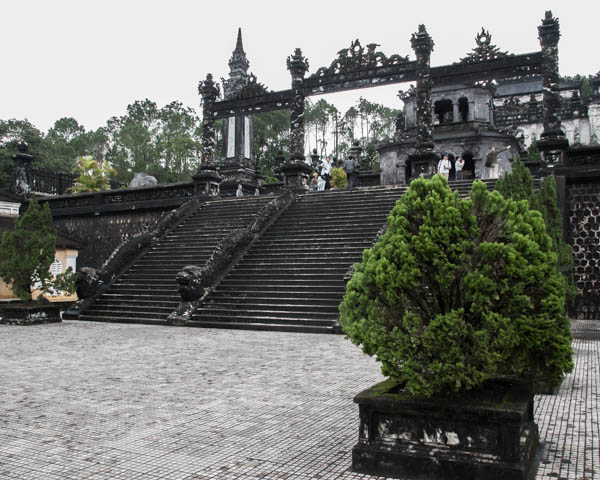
(338, 178)
(456, 291)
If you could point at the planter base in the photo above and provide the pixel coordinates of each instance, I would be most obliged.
(491, 436)
(30, 315)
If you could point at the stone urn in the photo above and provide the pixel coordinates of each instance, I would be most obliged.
(488, 433)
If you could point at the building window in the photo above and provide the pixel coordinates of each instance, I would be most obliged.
(56, 267)
(463, 109)
(443, 111)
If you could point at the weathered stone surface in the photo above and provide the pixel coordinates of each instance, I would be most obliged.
(484, 434)
(30, 314)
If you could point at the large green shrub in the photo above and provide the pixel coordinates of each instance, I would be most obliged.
(456, 291)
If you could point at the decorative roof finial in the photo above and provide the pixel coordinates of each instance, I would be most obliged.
(239, 46)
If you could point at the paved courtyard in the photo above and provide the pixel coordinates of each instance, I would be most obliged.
(103, 401)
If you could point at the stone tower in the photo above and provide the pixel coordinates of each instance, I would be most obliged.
(238, 165)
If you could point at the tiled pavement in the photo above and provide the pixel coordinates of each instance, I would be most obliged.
(103, 401)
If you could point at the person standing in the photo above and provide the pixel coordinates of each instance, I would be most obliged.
(458, 168)
(349, 169)
(314, 182)
(326, 172)
(444, 166)
(491, 161)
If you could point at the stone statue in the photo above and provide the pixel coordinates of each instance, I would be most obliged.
(141, 179)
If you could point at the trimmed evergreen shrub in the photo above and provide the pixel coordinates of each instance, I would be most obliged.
(456, 291)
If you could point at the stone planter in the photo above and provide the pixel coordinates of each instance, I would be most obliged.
(21, 314)
(484, 434)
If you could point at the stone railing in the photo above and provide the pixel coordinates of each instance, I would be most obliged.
(126, 199)
(195, 283)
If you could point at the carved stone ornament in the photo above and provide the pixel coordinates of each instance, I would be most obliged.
(251, 89)
(484, 50)
(358, 58)
(405, 95)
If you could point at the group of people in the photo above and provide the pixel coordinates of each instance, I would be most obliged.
(321, 180)
(491, 163)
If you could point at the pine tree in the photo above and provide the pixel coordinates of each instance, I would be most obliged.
(27, 252)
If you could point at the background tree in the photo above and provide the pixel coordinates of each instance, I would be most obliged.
(519, 185)
(93, 175)
(271, 132)
(27, 252)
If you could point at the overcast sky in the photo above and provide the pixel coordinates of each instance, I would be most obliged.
(90, 59)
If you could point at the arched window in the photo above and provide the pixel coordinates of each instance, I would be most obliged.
(463, 109)
(444, 111)
(56, 267)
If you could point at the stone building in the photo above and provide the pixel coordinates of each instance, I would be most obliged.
(468, 119)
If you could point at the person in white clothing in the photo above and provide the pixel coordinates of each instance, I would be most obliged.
(444, 166)
(458, 167)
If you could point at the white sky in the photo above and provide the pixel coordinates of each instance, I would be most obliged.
(90, 59)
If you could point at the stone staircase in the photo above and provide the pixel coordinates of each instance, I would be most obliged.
(147, 292)
(292, 278)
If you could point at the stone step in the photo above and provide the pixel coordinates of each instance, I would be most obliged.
(255, 325)
(286, 309)
(296, 298)
(268, 311)
(152, 313)
(141, 298)
(113, 319)
(291, 285)
(225, 317)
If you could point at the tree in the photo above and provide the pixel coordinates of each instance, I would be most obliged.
(271, 132)
(518, 185)
(27, 252)
(93, 175)
(12, 132)
(456, 291)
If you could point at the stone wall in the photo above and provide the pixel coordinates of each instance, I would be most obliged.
(100, 235)
(102, 221)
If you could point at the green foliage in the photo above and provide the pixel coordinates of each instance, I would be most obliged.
(586, 90)
(338, 177)
(518, 185)
(27, 252)
(271, 131)
(93, 175)
(65, 283)
(456, 291)
(545, 202)
(533, 153)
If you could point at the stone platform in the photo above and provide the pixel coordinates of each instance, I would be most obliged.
(97, 401)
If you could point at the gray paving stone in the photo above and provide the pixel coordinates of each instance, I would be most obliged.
(103, 401)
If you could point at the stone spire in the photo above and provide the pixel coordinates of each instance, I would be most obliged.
(238, 70)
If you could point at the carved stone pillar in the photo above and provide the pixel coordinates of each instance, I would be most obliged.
(21, 185)
(207, 178)
(553, 141)
(455, 112)
(356, 152)
(424, 160)
(297, 65)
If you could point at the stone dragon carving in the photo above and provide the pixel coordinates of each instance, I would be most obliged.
(358, 58)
